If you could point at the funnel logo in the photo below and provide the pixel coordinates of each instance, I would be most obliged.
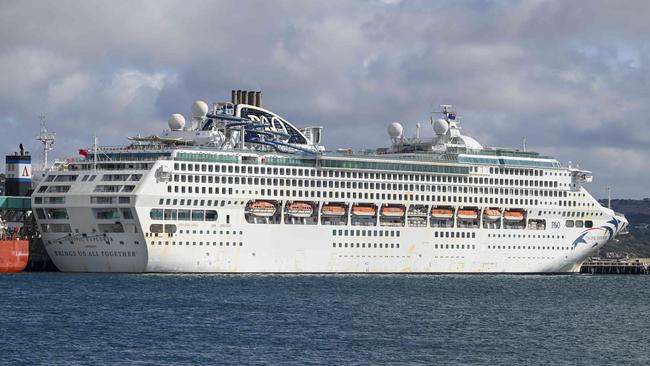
(25, 172)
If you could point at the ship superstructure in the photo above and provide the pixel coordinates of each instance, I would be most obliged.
(240, 189)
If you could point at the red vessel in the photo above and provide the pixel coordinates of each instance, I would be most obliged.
(14, 252)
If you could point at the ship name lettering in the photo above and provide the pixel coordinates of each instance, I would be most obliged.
(64, 253)
(94, 253)
(118, 253)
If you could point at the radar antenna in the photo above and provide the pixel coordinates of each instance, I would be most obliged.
(47, 139)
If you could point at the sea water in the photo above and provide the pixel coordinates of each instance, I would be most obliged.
(59, 318)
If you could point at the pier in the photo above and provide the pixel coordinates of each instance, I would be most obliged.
(597, 265)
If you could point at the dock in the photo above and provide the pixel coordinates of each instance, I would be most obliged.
(595, 265)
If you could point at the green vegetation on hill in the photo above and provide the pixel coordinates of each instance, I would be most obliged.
(637, 242)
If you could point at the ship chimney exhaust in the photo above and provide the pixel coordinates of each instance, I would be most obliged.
(246, 97)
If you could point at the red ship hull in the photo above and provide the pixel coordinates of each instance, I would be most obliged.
(13, 255)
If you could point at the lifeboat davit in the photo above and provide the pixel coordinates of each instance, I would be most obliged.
(262, 208)
(392, 211)
(363, 211)
(333, 210)
(417, 210)
(417, 221)
(300, 209)
(441, 213)
(492, 214)
(467, 214)
(513, 215)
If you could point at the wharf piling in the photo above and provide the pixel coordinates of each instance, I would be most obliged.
(616, 266)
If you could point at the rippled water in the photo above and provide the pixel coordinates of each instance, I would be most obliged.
(376, 319)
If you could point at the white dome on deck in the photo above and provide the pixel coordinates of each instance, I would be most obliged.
(176, 122)
(199, 109)
(395, 130)
(440, 127)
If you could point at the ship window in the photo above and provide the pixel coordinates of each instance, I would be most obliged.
(211, 215)
(169, 214)
(40, 213)
(56, 213)
(127, 214)
(156, 228)
(60, 228)
(58, 189)
(569, 223)
(65, 178)
(106, 213)
(170, 229)
(111, 228)
(156, 213)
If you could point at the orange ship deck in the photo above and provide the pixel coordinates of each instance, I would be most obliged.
(13, 255)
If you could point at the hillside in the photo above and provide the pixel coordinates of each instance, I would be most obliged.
(637, 242)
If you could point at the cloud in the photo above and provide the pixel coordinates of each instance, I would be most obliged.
(129, 86)
(572, 77)
(27, 68)
(68, 89)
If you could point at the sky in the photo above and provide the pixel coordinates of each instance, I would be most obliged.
(572, 77)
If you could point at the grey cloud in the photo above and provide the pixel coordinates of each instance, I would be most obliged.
(571, 76)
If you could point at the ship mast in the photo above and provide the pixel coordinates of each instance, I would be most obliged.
(47, 139)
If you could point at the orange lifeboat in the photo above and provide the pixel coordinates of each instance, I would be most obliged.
(513, 215)
(492, 214)
(333, 210)
(441, 213)
(262, 208)
(300, 209)
(467, 214)
(363, 211)
(392, 211)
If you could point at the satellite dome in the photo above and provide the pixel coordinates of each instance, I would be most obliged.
(395, 130)
(440, 127)
(176, 122)
(199, 109)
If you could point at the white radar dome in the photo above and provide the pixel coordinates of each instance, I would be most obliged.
(395, 130)
(176, 122)
(199, 109)
(440, 127)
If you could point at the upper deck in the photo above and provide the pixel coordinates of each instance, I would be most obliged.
(243, 132)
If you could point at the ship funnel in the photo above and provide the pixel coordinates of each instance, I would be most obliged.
(246, 97)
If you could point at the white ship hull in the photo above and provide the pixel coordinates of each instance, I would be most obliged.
(241, 246)
(416, 254)
(317, 256)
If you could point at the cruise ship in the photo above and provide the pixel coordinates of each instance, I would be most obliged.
(238, 188)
